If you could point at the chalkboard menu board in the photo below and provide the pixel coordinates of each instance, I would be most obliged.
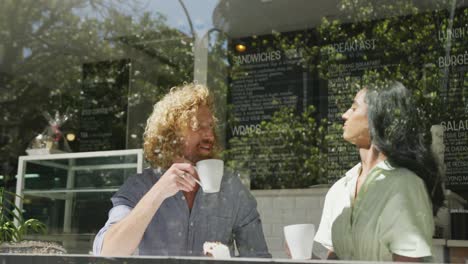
(453, 66)
(103, 116)
(266, 78)
(265, 82)
(344, 78)
(270, 74)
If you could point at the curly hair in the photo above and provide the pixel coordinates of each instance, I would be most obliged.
(176, 111)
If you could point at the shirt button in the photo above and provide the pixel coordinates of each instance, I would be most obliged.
(191, 223)
(180, 233)
(190, 251)
(183, 197)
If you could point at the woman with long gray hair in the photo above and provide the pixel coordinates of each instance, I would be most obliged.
(397, 190)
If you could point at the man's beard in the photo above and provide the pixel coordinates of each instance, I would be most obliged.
(198, 155)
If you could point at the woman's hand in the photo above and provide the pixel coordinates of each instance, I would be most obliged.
(331, 255)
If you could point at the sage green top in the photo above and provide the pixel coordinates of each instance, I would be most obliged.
(391, 215)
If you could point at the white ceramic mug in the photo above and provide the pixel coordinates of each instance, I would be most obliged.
(211, 173)
(300, 239)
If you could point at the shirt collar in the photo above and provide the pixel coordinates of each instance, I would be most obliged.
(353, 172)
(351, 180)
(385, 165)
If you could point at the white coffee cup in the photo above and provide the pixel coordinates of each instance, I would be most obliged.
(211, 173)
(300, 239)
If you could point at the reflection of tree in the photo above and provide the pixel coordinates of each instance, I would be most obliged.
(407, 46)
(408, 42)
(43, 45)
(286, 152)
(408, 37)
(217, 78)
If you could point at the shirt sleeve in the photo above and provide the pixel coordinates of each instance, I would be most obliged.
(407, 222)
(248, 231)
(116, 214)
(323, 235)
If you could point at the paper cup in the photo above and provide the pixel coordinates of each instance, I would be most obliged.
(300, 239)
(211, 173)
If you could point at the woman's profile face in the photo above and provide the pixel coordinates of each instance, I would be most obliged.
(356, 124)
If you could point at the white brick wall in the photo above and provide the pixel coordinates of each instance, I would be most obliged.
(279, 208)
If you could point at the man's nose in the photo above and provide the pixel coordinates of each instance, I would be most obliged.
(208, 133)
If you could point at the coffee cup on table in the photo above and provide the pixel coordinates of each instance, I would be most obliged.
(210, 172)
(300, 240)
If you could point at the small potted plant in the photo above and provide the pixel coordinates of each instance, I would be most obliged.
(12, 236)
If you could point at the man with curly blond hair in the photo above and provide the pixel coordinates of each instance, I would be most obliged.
(162, 211)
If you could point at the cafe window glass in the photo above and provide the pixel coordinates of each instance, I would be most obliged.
(283, 73)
